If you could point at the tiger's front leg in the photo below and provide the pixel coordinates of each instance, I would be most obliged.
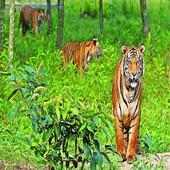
(35, 28)
(133, 139)
(120, 142)
(34, 24)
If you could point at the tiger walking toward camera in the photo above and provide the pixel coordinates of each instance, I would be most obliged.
(126, 101)
(80, 53)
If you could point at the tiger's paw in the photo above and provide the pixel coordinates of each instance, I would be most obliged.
(123, 156)
(130, 158)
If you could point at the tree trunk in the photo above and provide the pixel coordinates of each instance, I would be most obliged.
(60, 26)
(2, 6)
(124, 7)
(101, 16)
(144, 16)
(49, 15)
(11, 32)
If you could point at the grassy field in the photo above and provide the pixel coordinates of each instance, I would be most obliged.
(37, 61)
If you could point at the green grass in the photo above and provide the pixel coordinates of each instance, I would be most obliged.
(94, 88)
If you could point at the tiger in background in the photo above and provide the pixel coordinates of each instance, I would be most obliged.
(80, 53)
(31, 18)
(126, 101)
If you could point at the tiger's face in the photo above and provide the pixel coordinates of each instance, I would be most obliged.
(133, 65)
(42, 17)
(94, 49)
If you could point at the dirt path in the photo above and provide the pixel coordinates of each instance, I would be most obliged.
(151, 161)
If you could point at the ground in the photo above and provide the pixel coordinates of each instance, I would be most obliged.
(161, 160)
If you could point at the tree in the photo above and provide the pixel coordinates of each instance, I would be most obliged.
(49, 15)
(144, 17)
(101, 16)
(60, 26)
(2, 6)
(124, 7)
(11, 32)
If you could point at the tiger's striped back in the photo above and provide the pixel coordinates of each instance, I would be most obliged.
(31, 18)
(80, 53)
(69, 51)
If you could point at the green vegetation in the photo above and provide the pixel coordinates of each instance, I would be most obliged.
(40, 86)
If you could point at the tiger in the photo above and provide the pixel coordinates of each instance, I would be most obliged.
(126, 101)
(80, 53)
(31, 18)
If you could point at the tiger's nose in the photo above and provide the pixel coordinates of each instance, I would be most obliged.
(133, 74)
(133, 77)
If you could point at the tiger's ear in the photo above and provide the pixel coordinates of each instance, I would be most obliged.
(142, 48)
(95, 41)
(124, 49)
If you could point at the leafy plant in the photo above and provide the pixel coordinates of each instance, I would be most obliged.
(65, 138)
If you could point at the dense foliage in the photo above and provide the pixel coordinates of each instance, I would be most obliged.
(54, 115)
